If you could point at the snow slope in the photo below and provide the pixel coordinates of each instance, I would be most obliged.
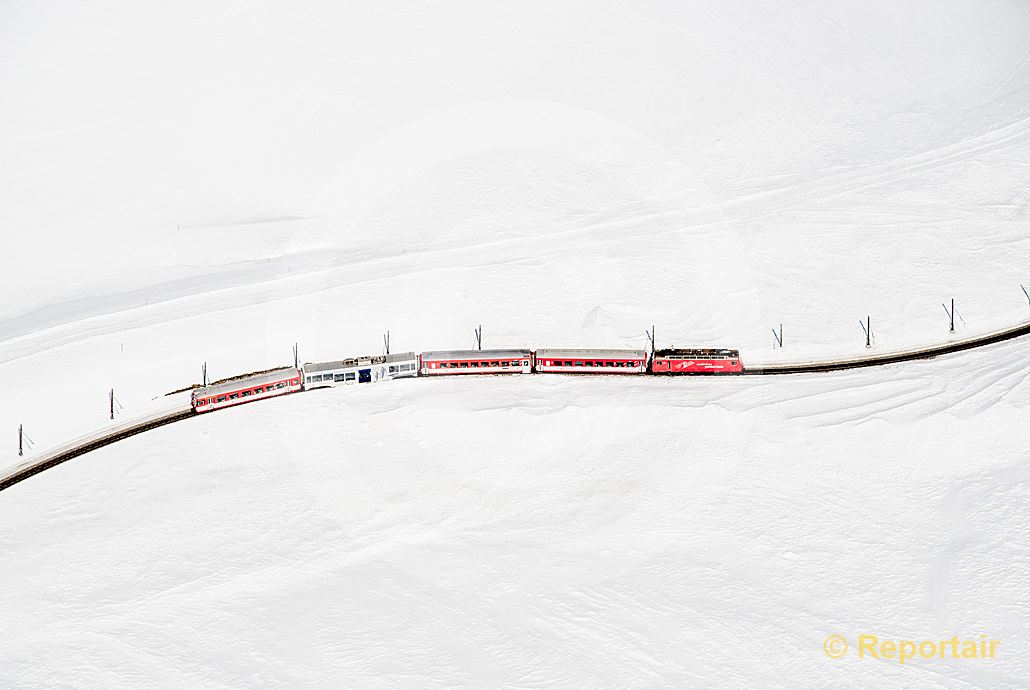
(538, 531)
(195, 183)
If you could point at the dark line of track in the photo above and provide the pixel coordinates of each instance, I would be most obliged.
(890, 358)
(767, 370)
(36, 468)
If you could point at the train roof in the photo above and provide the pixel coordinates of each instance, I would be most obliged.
(247, 382)
(476, 354)
(586, 353)
(359, 361)
(696, 352)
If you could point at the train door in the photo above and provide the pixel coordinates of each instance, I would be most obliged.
(364, 375)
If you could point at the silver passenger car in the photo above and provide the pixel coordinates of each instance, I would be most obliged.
(360, 370)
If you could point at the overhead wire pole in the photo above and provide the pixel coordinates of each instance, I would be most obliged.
(778, 336)
(203, 373)
(25, 441)
(479, 337)
(951, 315)
(868, 328)
(386, 342)
(1025, 292)
(296, 356)
(112, 403)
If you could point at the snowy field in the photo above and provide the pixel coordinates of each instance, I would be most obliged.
(186, 183)
(538, 531)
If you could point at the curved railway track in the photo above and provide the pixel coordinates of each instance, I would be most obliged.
(65, 453)
(890, 357)
(74, 449)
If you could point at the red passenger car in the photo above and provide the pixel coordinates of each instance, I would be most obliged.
(590, 361)
(697, 361)
(258, 387)
(475, 362)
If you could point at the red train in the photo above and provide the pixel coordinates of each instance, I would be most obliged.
(514, 361)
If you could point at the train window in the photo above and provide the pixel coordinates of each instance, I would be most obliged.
(246, 393)
(280, 385)
(349, 376)
(222, 399)
(258, 391)
(393, 369)
(233, 396)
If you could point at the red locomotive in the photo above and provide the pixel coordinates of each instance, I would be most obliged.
(696, 361)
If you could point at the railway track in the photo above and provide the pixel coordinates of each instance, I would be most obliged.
(818, 366)
(74, 449)
(65, 453)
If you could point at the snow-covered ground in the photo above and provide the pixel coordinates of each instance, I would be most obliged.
(192, 183)
(538, 531)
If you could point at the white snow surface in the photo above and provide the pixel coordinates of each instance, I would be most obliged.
(213, 182)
